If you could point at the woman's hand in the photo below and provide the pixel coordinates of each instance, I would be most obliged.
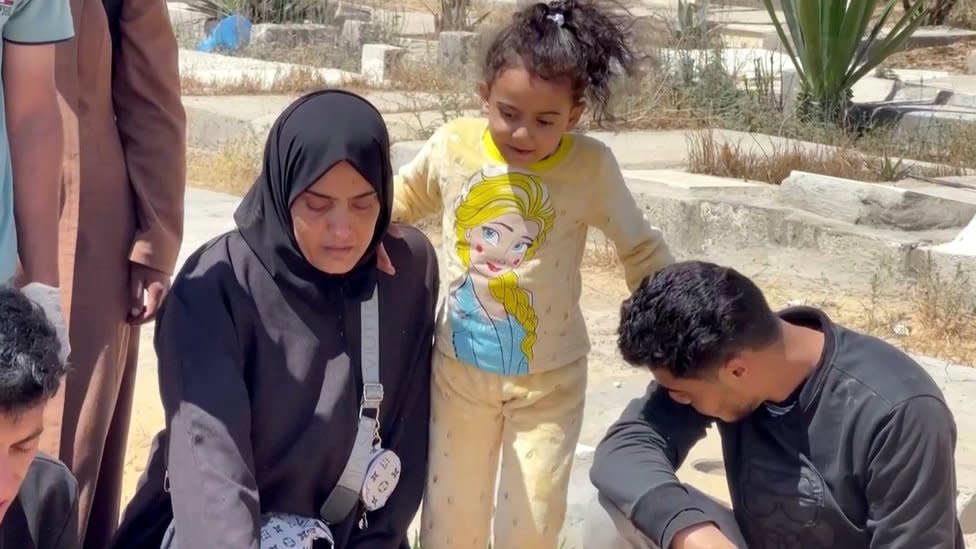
(383, 262)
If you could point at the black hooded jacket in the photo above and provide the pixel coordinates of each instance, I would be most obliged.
(860, 457)
(259, 417)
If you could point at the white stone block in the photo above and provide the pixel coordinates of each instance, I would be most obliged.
(971, 62)
(355, 33)
(967, 507)
(873, 204)
(458, 50)
(293, 35)
(379, 61)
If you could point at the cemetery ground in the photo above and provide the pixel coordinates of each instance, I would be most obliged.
(873, 223)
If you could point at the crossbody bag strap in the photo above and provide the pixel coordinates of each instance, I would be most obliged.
(346, 494)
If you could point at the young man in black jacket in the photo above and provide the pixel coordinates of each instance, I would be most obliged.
(38, 495)
(831, 438)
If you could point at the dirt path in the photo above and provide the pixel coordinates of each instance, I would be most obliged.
(611, 383)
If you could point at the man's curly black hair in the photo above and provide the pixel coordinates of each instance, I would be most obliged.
(30, 370)
(691, 317)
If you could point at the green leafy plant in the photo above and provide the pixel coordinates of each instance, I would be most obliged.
(835, 43)
(267, 11)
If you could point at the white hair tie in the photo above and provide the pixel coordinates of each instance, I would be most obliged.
(557, 17)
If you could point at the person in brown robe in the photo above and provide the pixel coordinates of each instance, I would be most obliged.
(120, 232)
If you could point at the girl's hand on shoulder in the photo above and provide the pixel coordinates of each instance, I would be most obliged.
(383, 262)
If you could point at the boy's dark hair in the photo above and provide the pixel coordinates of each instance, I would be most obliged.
(30, 369)
(573, 39)
(691, 317)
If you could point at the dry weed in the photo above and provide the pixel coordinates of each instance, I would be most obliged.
(430, 77)
(294, 80)
(931, 315)
(963, 14)
(944, 306)
(232, 169)
(710, 156)
(601, 255)
(436, 96)
(950, 145)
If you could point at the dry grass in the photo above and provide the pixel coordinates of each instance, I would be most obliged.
(429, 77)
(952, 145)
(932, 315)
(951, 58)
(293, 80)
(601, 255)
(231, 170)
(432, 89)
(709, 156)
(963, 14)
(312, 55)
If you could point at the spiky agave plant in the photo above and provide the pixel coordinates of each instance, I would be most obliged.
(835, 43)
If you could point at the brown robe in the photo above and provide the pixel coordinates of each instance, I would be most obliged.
(124, 180)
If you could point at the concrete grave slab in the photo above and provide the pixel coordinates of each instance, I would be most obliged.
(458, 50)
(188, 25)
(293, 35)
(919, 75)
(379, 61)
(216, 70)
(934, 121)
(216, 121)
(355, 33)
(964, 244)
(419, 49)
(957, 83)
(971, 62)
(698, 184)
(876, 204)
(743, 62)
(407, 23)
(967, 512)
(349, 11)
(931, 36)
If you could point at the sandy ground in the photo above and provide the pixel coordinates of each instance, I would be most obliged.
(602, 293)
(611, 383)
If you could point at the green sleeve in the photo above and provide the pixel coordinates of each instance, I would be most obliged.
(39, 22)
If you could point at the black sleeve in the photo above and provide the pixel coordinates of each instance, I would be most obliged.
(911, 485)
(208, 417)
(49, 499)
(68, 539)
(634, 465)
(388, 525)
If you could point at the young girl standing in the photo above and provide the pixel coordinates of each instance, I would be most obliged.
(517, 192)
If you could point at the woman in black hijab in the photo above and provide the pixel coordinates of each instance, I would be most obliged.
(272, 430)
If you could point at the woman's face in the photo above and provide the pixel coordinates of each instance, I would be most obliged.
(335, 218)
(500, 245)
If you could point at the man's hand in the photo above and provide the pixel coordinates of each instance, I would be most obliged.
(48, 298)
(148, 288)
(702, 536)
(383, 262)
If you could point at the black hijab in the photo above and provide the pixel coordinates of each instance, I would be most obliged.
(313, 134)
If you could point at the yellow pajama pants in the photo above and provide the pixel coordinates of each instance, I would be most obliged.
(533, 423)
